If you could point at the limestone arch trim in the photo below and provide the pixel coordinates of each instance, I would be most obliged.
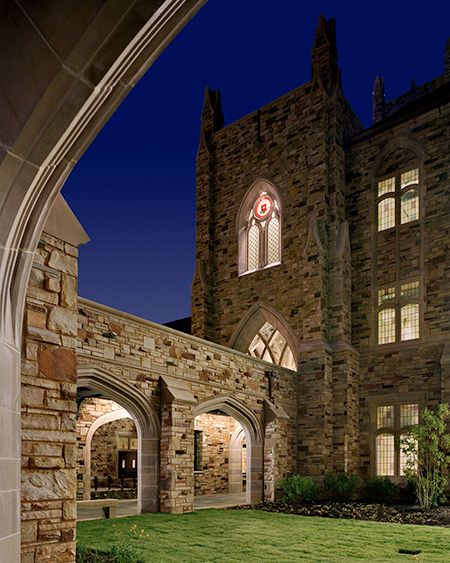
(253, 433)
(399, 142)
(252, 321)
(100, 421)
(147, 427)
(235, 460)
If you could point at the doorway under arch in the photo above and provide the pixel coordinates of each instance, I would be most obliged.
(94, 381)
(248, 428)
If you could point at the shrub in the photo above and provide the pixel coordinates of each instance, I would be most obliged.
(382, 490)
(299, 490)
(340, 487)
(426, 451)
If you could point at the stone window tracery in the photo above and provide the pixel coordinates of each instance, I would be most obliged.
(270, 345)
(259, 228)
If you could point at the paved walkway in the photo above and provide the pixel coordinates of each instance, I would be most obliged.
(219, 501)
(129, 507)
(125, 508)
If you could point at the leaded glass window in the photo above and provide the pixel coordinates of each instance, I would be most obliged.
(270, 345)
(393, 423)
(260, 233)
(385, 451)
(398, 313)
(402, 190)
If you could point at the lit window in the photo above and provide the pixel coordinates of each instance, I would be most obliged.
(410, 321)
(386, 186)
(385, 295)
(259, 230)
(403, 189)
(386, 213)
(409, 178)
(385, 452)
(410, 206)
(385, 416)
(386, 326)
(270, 345)
(409, 414)
(409, 290)
(406, 457)
(393, 423)
(273, 241)
(253, 248)
(398, 313)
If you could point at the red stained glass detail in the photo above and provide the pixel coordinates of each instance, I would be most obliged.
(263, 207)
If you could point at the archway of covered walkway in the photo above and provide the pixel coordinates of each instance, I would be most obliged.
(63, 75)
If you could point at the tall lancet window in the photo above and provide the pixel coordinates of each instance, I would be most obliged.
(259, 230)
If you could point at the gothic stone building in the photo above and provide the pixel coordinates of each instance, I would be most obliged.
(320, 315)
(323, 247)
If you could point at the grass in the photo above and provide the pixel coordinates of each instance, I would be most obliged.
(253, 536)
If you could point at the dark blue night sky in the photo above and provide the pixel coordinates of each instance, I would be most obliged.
(134, 189)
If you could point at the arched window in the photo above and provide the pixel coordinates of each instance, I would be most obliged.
(259, 228)
(400, 189)
(270, 345)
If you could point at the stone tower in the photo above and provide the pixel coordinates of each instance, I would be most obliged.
(292, 150)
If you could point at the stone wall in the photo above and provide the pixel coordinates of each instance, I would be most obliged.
(297, 143)
(217, 430)
(104, 449)
(417, 250)
(49, 374)
(146, 356)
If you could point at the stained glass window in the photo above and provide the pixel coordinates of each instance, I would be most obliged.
(385, 454)
(386, 213)
(260, 233)
(253, 248)
(386, 186)
(409, 414)
(406, 456)
(405, 190)
(410, 206)
(392, 422)
(410, 321)
(273, 241)
(386, 326)
(385, 416)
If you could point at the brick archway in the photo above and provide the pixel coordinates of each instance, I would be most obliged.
(254, 438)
(147, 426)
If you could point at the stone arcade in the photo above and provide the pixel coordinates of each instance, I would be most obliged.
(319, 313)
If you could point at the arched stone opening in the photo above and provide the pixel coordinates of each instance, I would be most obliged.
(104, 420)
(250, 429)
(92, 380)
(51, 113)
(237, 462)
(262, 316)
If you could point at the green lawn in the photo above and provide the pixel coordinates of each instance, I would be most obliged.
(247, 536)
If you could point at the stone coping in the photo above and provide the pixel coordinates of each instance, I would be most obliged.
(84, 302)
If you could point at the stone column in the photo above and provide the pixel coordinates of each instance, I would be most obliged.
(177, 447)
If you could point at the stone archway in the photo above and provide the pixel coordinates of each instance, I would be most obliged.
(254, 440)
(104, 419)
(62, 79)
(147, 426)
(235, 460)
